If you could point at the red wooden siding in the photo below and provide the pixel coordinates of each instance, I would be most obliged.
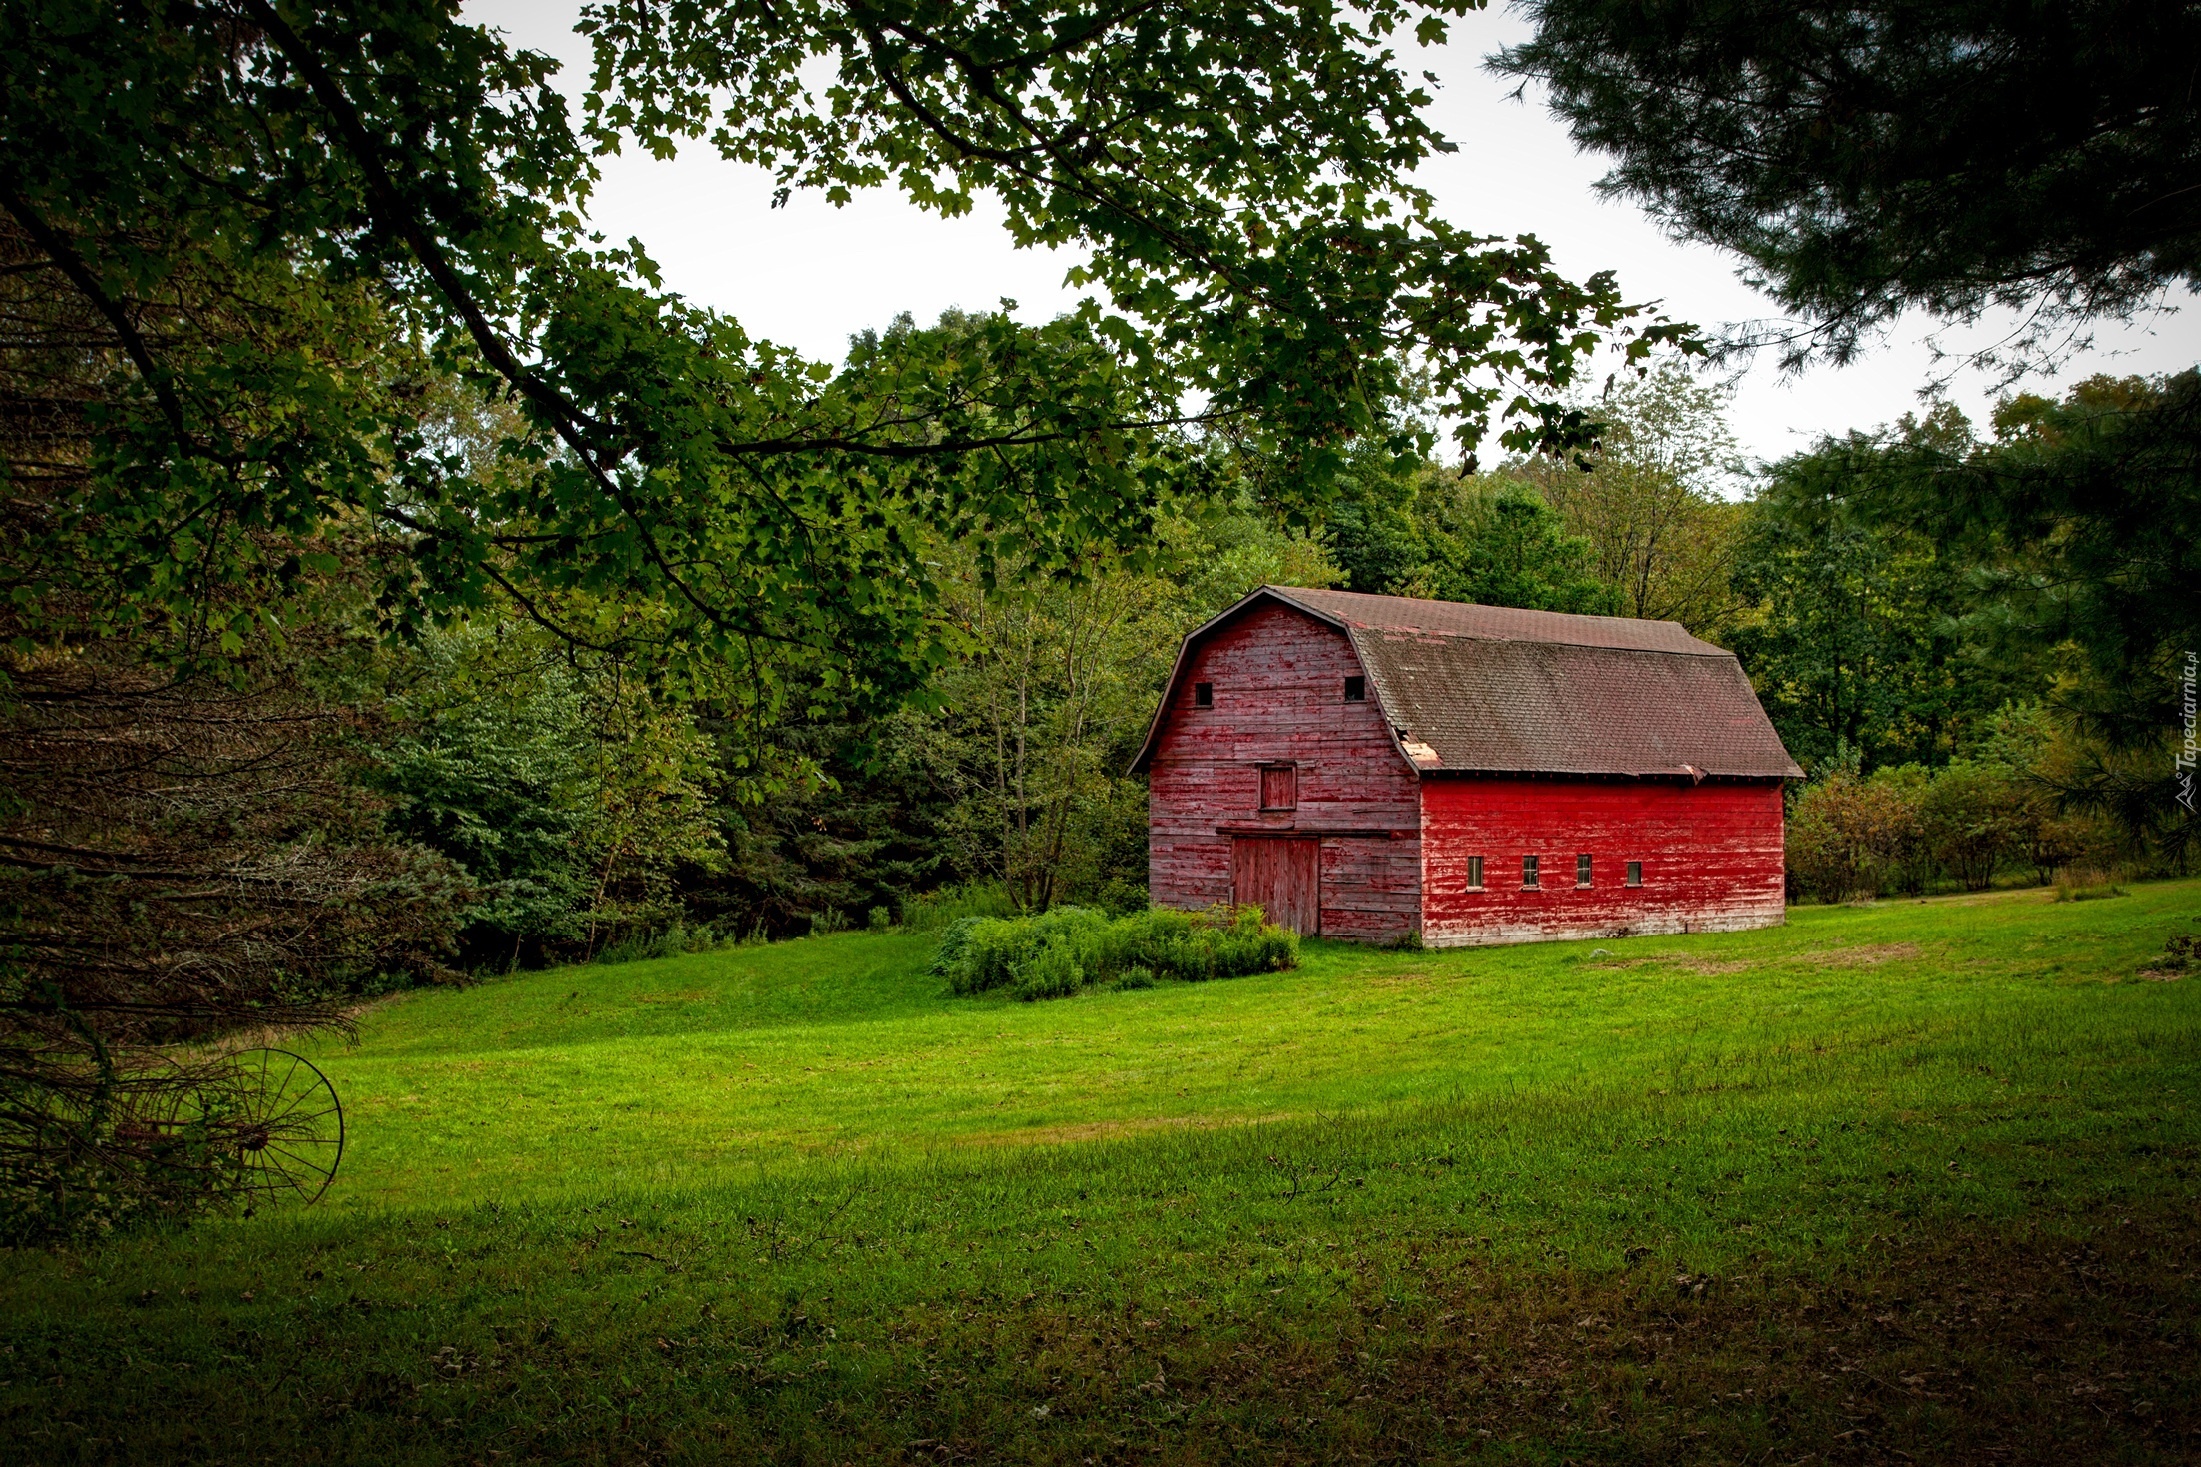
(1711, 854)
(1279, 687)
(1278, 874)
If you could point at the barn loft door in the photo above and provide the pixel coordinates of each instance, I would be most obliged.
(1282, 877)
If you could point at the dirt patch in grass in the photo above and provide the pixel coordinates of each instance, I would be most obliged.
(1411, 978)
(1870, 955)
(1684, 962)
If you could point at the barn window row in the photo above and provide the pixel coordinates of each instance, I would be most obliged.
(1280, 791)
(1532, 872)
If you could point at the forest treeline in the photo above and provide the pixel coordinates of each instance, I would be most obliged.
(503, 788)
(492, 791)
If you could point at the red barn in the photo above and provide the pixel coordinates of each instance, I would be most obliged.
(1372, 766)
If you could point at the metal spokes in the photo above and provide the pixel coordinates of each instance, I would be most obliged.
(281, 1120)
(259, 1125)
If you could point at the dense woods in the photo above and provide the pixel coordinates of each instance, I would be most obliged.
(555, 803)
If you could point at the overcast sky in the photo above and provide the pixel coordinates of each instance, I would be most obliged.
(808, 275)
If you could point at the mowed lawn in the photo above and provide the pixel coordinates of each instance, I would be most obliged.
(1912, 1180)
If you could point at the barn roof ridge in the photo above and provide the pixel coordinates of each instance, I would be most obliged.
(1359, 610)
(1472, 689)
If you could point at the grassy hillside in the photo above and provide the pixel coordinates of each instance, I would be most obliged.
(1915, 1178)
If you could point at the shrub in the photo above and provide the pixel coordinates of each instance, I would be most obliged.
(1053, 971)
(1851, 837)
(881, 919)
(1161, 940)
(1072, 948)
(828, 922)
(1121, 898)
(953, 943)
(1970, 818)
(936, 911)
(1907, 861)
(1251, 945)
(668, 942)
(979, 954)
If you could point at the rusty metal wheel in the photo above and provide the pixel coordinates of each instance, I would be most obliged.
(276, 1120)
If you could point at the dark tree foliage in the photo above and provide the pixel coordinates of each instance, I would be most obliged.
(1399, 527)
(1502, 545)
(184, 848)
(863, 830)
(264, 169)
(1860, 637)
(180, 855)
(1868, 159)
(1373, 533)
(1852, 653)
(2084, 519)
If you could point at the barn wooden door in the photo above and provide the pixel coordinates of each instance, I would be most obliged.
(1283, 876)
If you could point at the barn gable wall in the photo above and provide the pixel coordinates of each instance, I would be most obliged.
(1712, 858)
(1278, 676)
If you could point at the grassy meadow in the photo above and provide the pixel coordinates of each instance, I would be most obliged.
(1908, 1181)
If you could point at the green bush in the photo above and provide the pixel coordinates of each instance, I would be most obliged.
(1971, 818)
(1161, 940)
(1051, 972)
(1123, 898)
(979, 954)
(936, 911)
(1850, 837)
(1069, 949)
(666, 942)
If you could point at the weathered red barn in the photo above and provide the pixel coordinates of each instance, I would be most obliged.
(1372, 766)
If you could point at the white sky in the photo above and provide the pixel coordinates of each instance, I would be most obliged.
(808, 275)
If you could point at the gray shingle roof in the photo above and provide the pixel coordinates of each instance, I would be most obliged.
(1489, 689)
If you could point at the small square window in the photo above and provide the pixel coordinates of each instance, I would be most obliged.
(1474, 873)
(1203, 695)
(1635, 873)
(1581, 870)
(1528, 872)
(1279, 787)
(1356, 690)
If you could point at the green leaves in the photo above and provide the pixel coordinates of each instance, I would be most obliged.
(333, 264)
(1239, 175)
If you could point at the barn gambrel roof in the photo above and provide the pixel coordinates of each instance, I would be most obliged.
(1494, 690)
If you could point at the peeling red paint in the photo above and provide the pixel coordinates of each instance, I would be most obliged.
(1395, 843)
(1279, 686)
(1712, 858)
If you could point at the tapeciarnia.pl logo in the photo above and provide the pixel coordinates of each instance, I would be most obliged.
(2189, 686)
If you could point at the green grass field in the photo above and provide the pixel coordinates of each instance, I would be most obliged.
(1914, 1181)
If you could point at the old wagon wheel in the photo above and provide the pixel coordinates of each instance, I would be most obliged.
(279, 1122)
